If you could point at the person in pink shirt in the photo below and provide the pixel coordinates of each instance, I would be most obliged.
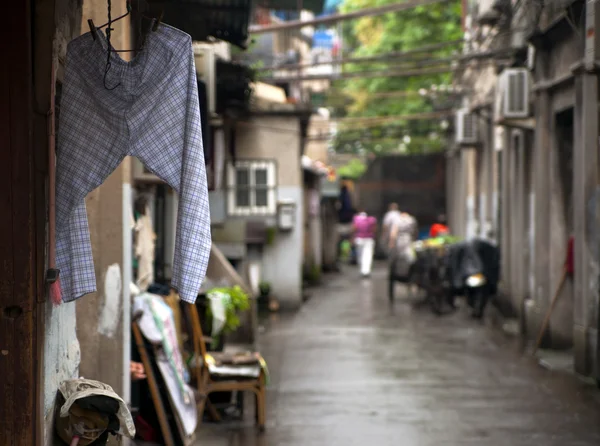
(365, 226)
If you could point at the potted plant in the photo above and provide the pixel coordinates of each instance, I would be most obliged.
(265, 298)
(264, 289)
(229, 302)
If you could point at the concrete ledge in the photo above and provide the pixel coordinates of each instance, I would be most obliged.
(580, 350)
(585, 351)
(509, 325)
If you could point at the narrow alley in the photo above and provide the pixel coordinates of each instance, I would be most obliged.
(349, 369)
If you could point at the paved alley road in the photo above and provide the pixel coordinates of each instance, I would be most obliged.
(348, 369)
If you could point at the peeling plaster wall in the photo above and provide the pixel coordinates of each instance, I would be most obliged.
(61, 358)
(61, 347)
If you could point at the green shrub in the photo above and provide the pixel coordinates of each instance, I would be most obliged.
(235, 301)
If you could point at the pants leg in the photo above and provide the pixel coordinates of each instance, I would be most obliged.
(359, 246)
(366, 257)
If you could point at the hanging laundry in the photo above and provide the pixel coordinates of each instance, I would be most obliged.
(144, 250)
(204, 116)
(152, 114)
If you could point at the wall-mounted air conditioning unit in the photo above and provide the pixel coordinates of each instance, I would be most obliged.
(205, 58)
(486, 12)
(515, 94)
(466, 127)
(141, 174)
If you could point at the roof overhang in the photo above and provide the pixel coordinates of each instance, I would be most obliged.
(226, 20)
(315, 6)
(523, 124)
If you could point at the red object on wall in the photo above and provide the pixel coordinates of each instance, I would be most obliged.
(569, 261)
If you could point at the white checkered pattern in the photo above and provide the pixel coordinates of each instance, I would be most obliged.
(154, 115)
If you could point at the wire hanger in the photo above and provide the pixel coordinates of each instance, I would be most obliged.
(109, 29)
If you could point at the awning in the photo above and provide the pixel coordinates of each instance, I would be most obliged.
(233, 85)
(226, 20)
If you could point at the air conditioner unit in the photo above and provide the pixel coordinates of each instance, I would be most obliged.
(486, 12)
(142, 174)
(205, 59)
(515, 97)
(466, 127)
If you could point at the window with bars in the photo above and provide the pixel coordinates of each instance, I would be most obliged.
(252, 188)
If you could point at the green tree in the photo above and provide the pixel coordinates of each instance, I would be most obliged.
(354, 169)
(395, 32)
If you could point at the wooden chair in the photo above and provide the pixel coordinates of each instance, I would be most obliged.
(153, 385)
(209, 381)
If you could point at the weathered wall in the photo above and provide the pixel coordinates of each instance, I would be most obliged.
(61, 358)
(61, 346)
(313, 227)
(416, 182)
(330, 234)
(318, 143)
(560, 228)
(553, 186)
(275, 138)
(282, 261)
(278, 138)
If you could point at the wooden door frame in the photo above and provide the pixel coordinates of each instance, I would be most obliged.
(18, 277)
(26, 41)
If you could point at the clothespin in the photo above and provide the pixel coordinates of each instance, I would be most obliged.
(157, 21)
(92, 29)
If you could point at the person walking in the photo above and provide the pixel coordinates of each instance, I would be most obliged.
(403, 232)
(389, 219)
(345, 217)
(364, 227)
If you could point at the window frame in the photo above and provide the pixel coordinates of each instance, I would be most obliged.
(270, 209)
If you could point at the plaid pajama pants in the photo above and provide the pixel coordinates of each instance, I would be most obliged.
(152, 113)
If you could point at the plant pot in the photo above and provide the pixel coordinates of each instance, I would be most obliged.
(273, 305)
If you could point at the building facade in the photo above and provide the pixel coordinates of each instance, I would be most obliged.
(523, 171)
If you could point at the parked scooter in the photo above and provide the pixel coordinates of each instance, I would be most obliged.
(477, 293)
(473, 271)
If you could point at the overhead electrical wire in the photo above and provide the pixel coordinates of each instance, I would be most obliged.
(447, 67)
(334, 18)
(399, 133)
(364, 59)
(362, 74)
(403, 117)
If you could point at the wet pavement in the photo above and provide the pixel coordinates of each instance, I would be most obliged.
(349, 369)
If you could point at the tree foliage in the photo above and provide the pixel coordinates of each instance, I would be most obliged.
(354, 169)
(394, 32)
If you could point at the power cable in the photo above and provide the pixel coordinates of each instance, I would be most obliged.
(334, 18)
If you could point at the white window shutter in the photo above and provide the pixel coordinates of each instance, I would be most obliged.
(271, 175)
(230, 175)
